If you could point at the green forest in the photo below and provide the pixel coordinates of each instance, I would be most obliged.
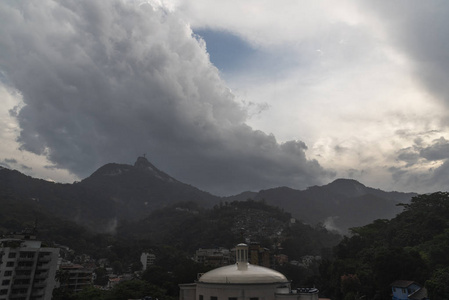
(412, 246)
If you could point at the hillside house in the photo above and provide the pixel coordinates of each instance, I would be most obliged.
(408, 290)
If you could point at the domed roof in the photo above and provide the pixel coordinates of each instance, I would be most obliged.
(252, 274)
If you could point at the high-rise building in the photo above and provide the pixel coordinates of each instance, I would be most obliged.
(147, 259)
(27, 268)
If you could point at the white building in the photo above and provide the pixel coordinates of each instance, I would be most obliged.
(147, 259)
(27, 270)
(243, 281)
(213, 257)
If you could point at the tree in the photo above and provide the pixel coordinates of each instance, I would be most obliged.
(90, 293)
(102, 277)
(350, 284)
(136, 289)
(438, 285)
(62, 292)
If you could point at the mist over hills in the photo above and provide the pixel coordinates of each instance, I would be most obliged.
(131, 192)
(340, 205)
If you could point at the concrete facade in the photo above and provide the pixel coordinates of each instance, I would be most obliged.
(27, 270)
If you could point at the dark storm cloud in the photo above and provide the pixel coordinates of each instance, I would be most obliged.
(4, 164)
(10, 163)
(408, 155)
(439, 150)
(25, 167)
(420, 29)
(105, 81)
(434, 177)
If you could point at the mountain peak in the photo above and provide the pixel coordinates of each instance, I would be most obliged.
(348, 187)
(142, 161)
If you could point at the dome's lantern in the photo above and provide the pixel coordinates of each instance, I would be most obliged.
(242, 256)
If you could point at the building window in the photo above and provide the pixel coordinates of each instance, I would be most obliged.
(12, 255)
(201, 297)
(10, 264)
(254, 298)
(6, 282)
(232, 298)
(213, 298)
(404, 291)
(27, 254)
(8, 273)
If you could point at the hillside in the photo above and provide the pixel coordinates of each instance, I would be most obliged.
(114, 192)
(412, 246)
(140, 189)
(339, 205)
(117, 192)
(189, 227)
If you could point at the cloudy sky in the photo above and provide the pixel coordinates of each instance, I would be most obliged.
(229, 95)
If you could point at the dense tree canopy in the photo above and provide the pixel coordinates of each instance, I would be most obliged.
(411, 246)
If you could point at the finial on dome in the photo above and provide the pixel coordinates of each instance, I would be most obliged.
(241, 253)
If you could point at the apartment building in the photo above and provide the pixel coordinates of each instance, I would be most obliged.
(147, 259)
(75, 277)
(215, 257)
(27, 268)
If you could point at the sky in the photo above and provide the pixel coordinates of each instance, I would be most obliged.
(229, 96)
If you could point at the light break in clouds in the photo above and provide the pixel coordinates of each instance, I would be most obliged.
(228, 96)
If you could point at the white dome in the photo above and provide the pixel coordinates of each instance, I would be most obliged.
(252, 274)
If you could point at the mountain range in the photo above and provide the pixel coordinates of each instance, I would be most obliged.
(118, 192)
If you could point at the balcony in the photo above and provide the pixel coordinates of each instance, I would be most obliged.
(39, 284)
(24, 267)
(22, 276)
(20, 285)
(43, 275)
(45, 259)
(43, 266)
(15, 295)
(38, 293)
(25, 259)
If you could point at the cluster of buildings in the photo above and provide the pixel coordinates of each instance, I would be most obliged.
(257, 255)
(29, 270)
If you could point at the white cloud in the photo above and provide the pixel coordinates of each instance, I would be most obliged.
(350, 84)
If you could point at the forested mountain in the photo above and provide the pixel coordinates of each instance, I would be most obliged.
(189, 227)
(118, 192)
(340, 205)
(144, 208)
(412, 246)
(114, 192)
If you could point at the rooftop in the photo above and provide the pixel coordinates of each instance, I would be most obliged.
(251, 275)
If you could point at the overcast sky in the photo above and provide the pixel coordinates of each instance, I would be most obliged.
(229, 95)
